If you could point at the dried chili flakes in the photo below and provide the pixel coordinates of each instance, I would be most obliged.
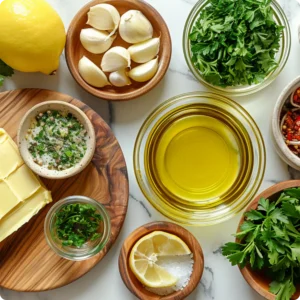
(296, 96)
(291, 130)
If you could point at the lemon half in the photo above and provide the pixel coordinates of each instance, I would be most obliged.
(144, 257)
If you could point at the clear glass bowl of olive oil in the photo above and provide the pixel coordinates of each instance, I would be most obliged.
(199, 158)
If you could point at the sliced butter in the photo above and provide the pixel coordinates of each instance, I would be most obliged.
(22, 213)
(22, 194)
(23, 183)
(7, 198)
(10, 158)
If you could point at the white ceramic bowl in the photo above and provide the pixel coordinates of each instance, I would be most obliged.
(282, 149)
(62, 107)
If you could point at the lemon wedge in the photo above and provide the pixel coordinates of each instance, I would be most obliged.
(145, 254)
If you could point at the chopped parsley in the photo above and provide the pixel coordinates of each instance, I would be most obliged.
(76, 224)
(57, 141)
(234, 42)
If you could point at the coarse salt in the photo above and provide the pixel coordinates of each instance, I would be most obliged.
(181, 267)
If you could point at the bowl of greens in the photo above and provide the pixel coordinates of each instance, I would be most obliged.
(267, 246)
(236, 47)
(77, 228)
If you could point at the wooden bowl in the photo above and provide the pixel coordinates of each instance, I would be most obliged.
(131, 281)
(67, 108)
(74, 50)
(256, 279)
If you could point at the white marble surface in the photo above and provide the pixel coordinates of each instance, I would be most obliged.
(220, 281)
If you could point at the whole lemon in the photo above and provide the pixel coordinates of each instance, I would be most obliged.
(32, 35)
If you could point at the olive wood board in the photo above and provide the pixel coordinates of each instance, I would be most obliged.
(26, 261)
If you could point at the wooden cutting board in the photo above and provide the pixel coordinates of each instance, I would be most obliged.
(26, 261)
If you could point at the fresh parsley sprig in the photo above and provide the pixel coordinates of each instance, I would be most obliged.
(269, 240)
(234, 42)
(5, 71)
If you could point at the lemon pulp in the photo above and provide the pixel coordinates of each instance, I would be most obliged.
(145, 254)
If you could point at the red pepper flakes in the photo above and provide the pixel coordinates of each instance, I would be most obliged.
(291, 129)
(296, 96)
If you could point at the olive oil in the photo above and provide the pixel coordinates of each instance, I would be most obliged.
(197, 157)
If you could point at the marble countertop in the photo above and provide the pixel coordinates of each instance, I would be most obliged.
(220, 281)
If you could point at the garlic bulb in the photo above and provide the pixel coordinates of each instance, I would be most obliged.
(145, 71)
(92, 74)
(115, 59)
(104, 17)
(119, 78)
(144, 51)
(96, 41)
(135, 27)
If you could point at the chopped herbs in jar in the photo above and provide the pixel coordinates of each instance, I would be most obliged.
(234, 42)
(56, 140)
(76, 224)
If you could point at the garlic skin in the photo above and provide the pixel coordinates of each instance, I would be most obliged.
(135, 27)
(115, 59)
(91, 73)
(96, 41)
(119, 78)
(144, 51)
(145, 71)
(104, 17)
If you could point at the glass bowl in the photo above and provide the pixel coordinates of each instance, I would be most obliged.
(241, 90)
(249, 174)
(90, 248)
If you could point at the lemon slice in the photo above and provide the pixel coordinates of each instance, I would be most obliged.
(145, 254)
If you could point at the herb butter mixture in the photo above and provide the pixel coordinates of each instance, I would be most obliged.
(269, 240)
(56, 140)
(234, 42)
(77, 224)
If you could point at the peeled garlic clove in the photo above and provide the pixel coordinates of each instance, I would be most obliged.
(144, 51)
(96, 41)
(116, 58)
(119, 78)
(92, 74)
(104, 17)
(135, 27)
(145, 71)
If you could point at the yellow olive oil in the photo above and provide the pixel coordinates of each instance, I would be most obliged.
(196, 156)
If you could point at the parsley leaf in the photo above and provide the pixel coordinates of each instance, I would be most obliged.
(234, 42)
(269, 240)
(5, 71)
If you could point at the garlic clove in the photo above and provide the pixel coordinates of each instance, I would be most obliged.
(115, 59)
(104, 17)
(135, 27)
(145, 71)
(91, 73)
(144, 51)
(96, 41)
(119, 78)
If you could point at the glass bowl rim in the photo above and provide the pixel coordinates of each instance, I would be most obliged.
(78, 199)
(247, 89)
(261, 162)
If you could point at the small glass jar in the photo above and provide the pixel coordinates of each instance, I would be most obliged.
(240, 90)
(90, 248)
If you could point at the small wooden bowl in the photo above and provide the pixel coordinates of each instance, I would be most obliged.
(254, 278)
(74, 50)
(64, 107)
(131, 281)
